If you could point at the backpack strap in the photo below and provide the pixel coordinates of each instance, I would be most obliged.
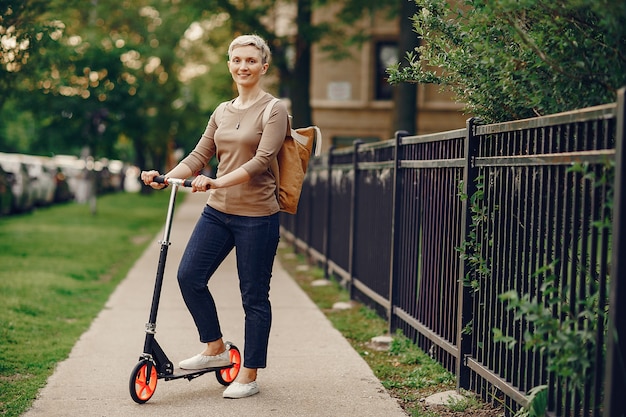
(268, 110)
(274, 164)
(295, 135)
(317, 151)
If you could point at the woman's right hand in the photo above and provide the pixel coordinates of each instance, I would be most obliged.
(148, 178)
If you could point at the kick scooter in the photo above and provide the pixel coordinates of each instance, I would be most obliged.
(153, 363)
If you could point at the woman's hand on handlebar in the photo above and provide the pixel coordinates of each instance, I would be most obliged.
(202, 183)
(147, 177)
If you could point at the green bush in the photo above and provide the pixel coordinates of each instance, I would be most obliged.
(514, 59)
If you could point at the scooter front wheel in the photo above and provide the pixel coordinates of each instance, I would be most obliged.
(143, 381)
(227, 376)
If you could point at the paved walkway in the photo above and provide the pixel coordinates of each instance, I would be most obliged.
(312, 370)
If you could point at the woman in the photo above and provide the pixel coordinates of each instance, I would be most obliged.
(241, 212)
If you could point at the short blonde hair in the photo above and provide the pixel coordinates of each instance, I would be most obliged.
(251, 40)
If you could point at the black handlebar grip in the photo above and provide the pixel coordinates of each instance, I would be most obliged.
(162, 179)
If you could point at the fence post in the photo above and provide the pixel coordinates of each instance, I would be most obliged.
(464, 307)
(615, 367)
(353, 212)
(394, 226)
(329, 197)
(309, 220)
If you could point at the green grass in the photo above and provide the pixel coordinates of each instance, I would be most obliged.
(58, 266)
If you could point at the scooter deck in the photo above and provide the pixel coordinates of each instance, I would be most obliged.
(193, 373)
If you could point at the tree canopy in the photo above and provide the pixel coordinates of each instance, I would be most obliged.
(111, 77)
(513, 59)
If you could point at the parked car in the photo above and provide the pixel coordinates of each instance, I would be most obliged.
(6, 193)
(27, 181)
(72, 169)
(23, 191)
(42, 179)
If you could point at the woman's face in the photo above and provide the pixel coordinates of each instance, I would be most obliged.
(246, 66)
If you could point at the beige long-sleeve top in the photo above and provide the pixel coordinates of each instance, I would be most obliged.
(238, 139)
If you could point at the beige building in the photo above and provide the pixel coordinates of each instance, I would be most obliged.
(351, 99)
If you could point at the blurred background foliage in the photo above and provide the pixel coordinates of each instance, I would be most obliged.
(132, 80)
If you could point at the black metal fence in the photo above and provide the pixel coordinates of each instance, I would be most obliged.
(491, 247)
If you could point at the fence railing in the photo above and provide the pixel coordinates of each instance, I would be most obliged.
(483, 242)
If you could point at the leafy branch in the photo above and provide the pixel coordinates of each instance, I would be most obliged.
(471, 248)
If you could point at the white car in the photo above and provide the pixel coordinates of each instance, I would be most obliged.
(23, 191)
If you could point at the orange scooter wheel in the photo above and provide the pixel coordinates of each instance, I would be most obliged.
(227, 376)
(143, 381)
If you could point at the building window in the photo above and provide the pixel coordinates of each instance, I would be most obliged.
(386, 56)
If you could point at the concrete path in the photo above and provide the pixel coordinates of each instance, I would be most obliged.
(312, 370)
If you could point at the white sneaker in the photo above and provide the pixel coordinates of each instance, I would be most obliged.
(237, 390)
(201, 361)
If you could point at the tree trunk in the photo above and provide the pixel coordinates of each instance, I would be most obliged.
(299, 91)
(405, 97)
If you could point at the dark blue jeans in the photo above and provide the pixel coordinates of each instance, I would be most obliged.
(256, 241)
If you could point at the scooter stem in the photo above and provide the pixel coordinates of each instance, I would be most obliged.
(158, 284)
(170, 213)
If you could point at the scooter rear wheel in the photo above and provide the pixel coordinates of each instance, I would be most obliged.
(228, 375)
(143, 381)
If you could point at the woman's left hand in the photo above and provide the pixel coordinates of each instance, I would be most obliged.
(202, 183)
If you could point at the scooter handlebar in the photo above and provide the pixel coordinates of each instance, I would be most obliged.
(162, 179)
